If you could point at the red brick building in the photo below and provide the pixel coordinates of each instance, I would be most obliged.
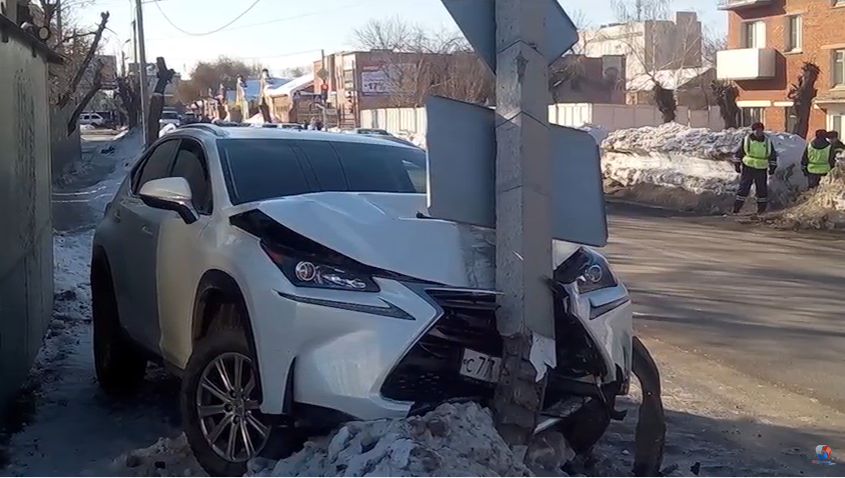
(768, 42)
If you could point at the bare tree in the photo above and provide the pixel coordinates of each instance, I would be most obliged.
(683, 51)
(802, 94)
(417, 63)
(726, 93)
(712, 43)
(164, 76)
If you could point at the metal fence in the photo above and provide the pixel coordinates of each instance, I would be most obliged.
(609, 117)
(26, 245)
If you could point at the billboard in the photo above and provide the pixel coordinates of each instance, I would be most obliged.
(109, 70)
(383, 78)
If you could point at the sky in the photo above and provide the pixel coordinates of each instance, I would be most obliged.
(283, 34)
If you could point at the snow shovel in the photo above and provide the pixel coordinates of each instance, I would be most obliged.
(650, 436)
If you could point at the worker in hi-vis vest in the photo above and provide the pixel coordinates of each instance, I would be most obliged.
(755, 160)
(818, 159)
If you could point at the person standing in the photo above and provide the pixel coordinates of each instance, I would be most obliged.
(818, 159)
(755, 160)
(833, 139)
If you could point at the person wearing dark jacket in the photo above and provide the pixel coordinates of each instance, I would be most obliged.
(755, 160)
(818, 159)
(833, 139)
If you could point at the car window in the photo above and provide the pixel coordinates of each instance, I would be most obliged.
(170, 116)
(191, 164)
(157, 164)
(270, 168)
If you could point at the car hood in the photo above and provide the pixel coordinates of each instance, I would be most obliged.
(392, 232)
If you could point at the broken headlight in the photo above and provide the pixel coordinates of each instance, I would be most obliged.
(588, 269)
(310, 272)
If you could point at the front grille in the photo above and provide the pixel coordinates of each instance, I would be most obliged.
(429, 372)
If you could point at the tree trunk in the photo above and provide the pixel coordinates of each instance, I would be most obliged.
(96, 84)
(726, 94)
(67, 96)
(130, 100)
(665, 101)
(802, 95)
(164, 77)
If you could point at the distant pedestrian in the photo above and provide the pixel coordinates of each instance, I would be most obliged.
(755, 160)
(818, 159)
(833, 138)
(318, 125)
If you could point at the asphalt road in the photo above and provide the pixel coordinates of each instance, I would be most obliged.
(770, 305)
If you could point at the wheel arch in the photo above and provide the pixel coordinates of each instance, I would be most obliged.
(214, 289)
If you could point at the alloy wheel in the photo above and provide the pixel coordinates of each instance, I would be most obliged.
(227, 407)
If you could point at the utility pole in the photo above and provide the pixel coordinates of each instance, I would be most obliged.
(142, 69)
(324, 78)
(523, 213)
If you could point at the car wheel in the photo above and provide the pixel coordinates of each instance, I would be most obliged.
(220, 399)
(119, 364)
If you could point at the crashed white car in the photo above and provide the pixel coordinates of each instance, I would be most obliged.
(294, 282)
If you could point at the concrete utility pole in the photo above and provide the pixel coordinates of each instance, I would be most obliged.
(523, 211)
(142, 69)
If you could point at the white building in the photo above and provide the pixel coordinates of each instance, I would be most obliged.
(649, 45)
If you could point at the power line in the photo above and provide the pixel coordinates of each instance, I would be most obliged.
(277, 20)
(168, 20)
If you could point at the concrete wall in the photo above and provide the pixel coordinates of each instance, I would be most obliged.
(609, 117)
(26, 245)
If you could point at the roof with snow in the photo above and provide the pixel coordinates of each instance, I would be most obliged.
(295, 84)
(253, 84)
(669, 79)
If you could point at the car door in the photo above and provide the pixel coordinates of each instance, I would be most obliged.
(182, 254)
(140, 224)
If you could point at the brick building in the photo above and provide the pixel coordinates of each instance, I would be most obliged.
(768, 42)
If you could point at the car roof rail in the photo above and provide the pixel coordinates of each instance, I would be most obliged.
(211, 128)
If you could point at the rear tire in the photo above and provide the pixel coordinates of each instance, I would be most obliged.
(119, 364)
(232, 407)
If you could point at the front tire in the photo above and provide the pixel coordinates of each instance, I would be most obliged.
(119, 365)
(220, 399)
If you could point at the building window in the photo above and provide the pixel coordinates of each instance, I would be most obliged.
(754, 34)
(791, 118)
(838, 67)
(835, 122)
(750, 115)
(794, 32)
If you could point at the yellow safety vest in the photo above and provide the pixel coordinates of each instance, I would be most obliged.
(818, 159)
(757, 153)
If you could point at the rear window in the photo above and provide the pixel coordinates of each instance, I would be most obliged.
(169, 116)
(259, 169)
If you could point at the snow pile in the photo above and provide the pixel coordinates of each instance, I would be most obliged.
(418, 139)
(166, 457)
(453, 440)
(822, 208)
(690, 168)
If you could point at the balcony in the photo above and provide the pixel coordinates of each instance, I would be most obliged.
(741, 4)
(746, 64)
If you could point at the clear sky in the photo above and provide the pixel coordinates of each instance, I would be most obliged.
(288, 33)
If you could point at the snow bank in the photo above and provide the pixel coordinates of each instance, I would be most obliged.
(166, 457)
(822, 208)
(675, 165)
(453, 440)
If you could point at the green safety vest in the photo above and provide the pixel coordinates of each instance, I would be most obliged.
(818, 160)
(757, 153)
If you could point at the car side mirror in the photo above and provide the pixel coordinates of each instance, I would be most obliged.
(171, 194)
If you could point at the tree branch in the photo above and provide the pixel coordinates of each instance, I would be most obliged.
(96, 85)
(65, 98)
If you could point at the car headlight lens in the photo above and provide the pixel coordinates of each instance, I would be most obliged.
(588, 269)
(316, 273)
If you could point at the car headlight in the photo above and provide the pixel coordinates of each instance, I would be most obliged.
(588, 269)
(318, 274)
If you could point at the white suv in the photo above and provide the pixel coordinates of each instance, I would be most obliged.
(294, 282)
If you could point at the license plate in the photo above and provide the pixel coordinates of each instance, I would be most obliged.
(481, 366)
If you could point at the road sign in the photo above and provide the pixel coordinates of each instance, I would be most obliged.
(322, 74)
(477, 21)
(464, 191)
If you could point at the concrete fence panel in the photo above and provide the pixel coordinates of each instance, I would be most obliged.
(26, 244)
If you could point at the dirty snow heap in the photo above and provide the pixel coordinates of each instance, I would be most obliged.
(687, 168)
(453, 440)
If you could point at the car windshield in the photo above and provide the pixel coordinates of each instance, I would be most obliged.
(259, 169)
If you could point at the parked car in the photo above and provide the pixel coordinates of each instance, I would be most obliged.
(294, 282)
(381, 134)
(170, 117)
(93, 119)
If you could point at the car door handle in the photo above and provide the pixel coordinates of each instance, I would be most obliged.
(146, 230)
